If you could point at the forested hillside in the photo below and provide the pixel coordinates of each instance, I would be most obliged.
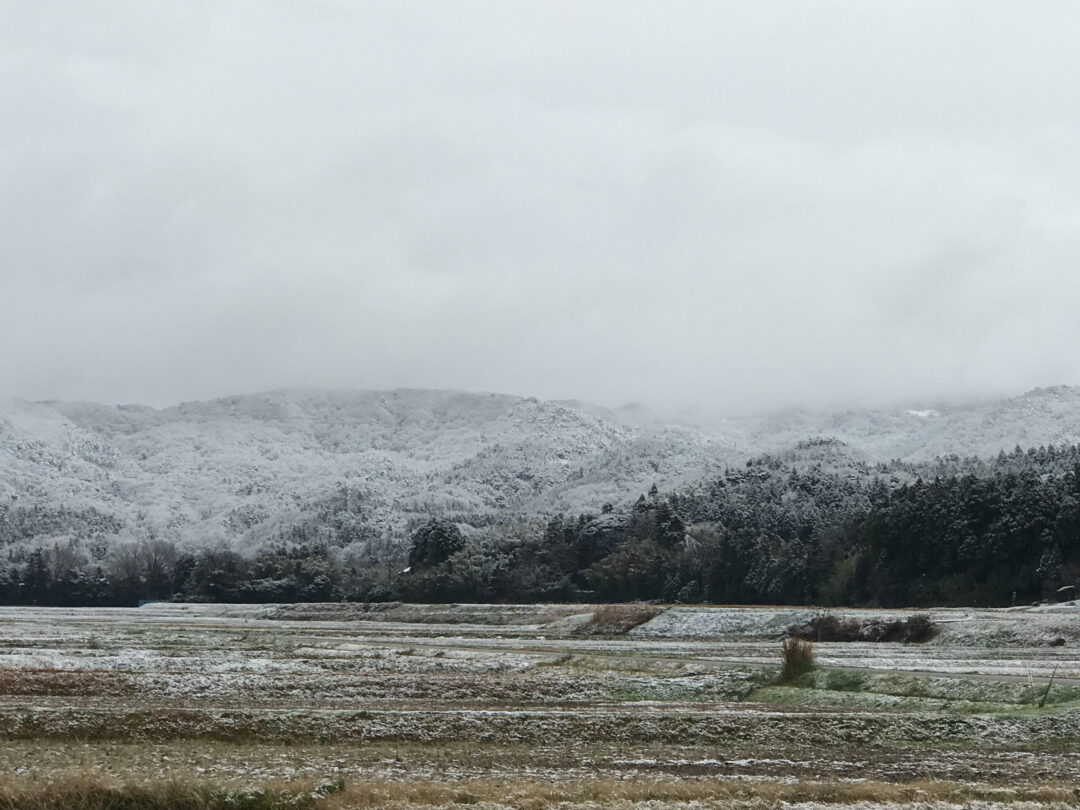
(305, 496)
(808, 526)
(335, 467)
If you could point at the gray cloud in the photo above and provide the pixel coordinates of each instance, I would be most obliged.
(736, 205)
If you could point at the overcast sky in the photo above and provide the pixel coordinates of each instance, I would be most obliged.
(737, 206)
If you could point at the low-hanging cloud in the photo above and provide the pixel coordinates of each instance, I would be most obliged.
(734, 206)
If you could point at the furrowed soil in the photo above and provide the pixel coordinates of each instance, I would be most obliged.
(532, 706)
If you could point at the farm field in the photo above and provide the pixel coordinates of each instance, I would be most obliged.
(531, 706)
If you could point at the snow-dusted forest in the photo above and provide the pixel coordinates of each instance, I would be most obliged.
(103, 503)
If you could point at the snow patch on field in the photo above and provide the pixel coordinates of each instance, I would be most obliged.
(680, 622)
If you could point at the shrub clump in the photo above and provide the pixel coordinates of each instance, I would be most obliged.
(919, 627)
(796, 659)
(832, 627)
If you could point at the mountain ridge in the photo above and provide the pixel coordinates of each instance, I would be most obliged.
(242, 470)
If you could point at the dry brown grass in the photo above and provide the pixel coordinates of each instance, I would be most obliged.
(62, 682)
(538, 795)
(617, 620)
(796, 659)
(93, 794)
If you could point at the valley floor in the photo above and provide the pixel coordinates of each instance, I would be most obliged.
(534, 706)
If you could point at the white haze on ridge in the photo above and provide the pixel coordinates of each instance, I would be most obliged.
(733, 206)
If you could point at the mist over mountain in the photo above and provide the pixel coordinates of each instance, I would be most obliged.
(243, 470)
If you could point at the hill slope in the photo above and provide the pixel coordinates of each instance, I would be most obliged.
(243, 469)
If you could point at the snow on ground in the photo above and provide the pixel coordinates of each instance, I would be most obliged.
(251, 693)
(1029, 626)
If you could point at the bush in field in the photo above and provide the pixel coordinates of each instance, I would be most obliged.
(797, 659)
(920, 627)
(825, 626)
(831, 627)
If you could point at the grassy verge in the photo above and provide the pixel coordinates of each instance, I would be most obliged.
(94, 794)
(606, 792)
(519, 795)
(825, 687)
(538, 727)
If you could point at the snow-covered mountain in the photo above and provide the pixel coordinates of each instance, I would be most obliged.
(1040, 417)
(241, 469)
